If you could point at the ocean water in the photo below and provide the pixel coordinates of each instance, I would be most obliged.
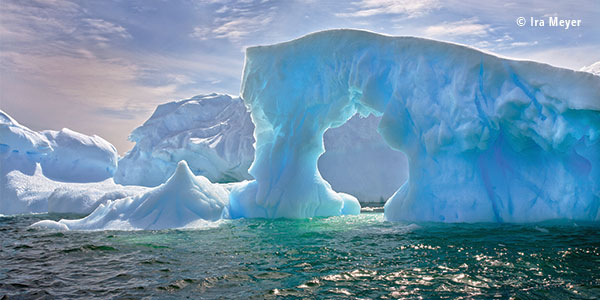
(349, 257)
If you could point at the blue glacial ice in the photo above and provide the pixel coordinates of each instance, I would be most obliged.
(487, 138)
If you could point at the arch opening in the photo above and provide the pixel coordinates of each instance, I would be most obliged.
(358, 161)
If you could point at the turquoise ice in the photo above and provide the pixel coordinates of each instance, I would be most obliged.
(487, 138)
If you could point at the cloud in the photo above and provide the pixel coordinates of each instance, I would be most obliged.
(99, 27)
(522, 44)
(201, 33)
(97, 82)
(237, 20)
(123, 113)
(85, 93)
(29, 21)
(241, 27)
(465, 27)
(53, 26)
(506, 42)
(409, 8)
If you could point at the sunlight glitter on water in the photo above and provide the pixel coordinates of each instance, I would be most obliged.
(347, 257)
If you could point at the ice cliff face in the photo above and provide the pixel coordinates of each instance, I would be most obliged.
(487, 138)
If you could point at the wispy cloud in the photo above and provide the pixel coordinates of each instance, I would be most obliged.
(123, 113)
(102, 28)
(241, 27)
(26, 21)
(465, 27)
(473, 32)
(48, 23)
(99, 82)
(237, 20)
(408, 8)
(504, 43)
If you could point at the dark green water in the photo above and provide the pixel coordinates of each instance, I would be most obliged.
(347, 257)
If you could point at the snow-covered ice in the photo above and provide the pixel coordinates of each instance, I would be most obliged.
(64, 155)
(593, 68)
(487, 138)
(20, 147)
(184, 200)
(22, 193)
(28, 158)
(78, 158)
(213, 133)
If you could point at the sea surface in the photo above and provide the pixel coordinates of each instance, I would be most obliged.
(349, 257)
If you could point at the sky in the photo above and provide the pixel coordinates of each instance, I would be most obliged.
(101, 67)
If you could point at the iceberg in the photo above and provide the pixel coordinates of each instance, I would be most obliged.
(55, 171)
(20, 147)
(78, 158)
(22, 193)
(185, 200)
(213, 133)
(487, 138)
(64, 155)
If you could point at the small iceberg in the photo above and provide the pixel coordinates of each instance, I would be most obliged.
(183, 201)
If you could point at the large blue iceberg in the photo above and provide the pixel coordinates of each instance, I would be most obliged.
(487, 138)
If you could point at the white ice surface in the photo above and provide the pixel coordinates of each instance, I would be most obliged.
(213, 133)
(78, 158)
(24, 193)
(593, 68)
(20, 147)
(183, 201)
(64, 155)
(28, 158)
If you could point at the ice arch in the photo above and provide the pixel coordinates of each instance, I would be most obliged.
(487, 138)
